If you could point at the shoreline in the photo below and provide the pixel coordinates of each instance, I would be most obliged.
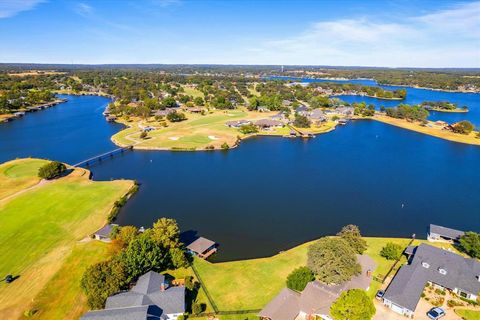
(457, 110)
(433, 131)
(11, 116)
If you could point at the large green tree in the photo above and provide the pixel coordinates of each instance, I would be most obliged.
(332, 260)
(51, 170)
(470, 244)
(353, 305)
(351, 234)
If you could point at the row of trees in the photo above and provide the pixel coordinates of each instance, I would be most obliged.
(408, 112)
(158, 249)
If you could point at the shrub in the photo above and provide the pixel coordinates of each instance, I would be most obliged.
(225, 146)
(391, 251)
(463, 127)
(301, 121)
(440, 291)
(332, 260)
(248, 129)
(143, 135)
(51, 170)
(299, 278)
(197, 308)
(454, 303)
(176, 117)
(189, 283)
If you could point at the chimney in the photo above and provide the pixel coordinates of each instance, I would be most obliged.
(163, 286)
(369, 273)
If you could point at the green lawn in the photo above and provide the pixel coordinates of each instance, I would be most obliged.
(468, 314)
(18, 174)
(39, 227)
(251, 284)
(62, 297)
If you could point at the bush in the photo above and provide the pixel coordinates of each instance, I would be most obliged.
(51, 170)
(332, 260)
(248, 129)
(176, 117)
(225, 146)
(440, 291)
(301, 121)
(391, 251)
(463, 127)
(143, 134)
(197, 308)
(299, 278)
(454, 303)
(189, 283)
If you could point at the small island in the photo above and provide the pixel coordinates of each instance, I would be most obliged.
(443, 106)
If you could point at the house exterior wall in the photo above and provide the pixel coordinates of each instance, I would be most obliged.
(398, 309)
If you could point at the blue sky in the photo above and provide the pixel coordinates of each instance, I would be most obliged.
(362, 33)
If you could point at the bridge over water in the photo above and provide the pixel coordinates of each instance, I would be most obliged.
(100, 157)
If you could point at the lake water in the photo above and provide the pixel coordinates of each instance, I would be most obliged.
(271, 193)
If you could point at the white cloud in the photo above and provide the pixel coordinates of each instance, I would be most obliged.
(446, 38)
(83, 9)
(10, 8)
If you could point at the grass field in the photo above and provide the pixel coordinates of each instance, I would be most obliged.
(195, 133)
(62, 297)
(19, 174)
(468, 314)
(251, 284)
(39, 227)
(192, 92)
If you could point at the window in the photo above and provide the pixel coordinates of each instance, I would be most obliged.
(442, 271)
(425, 265)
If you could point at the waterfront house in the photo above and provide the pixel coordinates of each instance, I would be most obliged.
(150, 298)
(317, 116)
(202, 248)
(345, 111)
(302, 110)
(279, 116)
(164, 113)
(237, 123)
(103, 234)
(267, 124)
(440, 268)
(262, 109)
(439, 233)
(315, 300)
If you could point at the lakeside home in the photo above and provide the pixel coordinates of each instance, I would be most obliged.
(443, 234)
(437, 267)
(202, 247)
(151, 298)
(267, 124)
(315, 300)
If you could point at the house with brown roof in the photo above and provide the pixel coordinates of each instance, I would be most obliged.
(202, 247)
(269, 124)
(315, 300)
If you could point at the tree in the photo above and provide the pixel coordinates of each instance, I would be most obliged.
(470, 244)
(353, 304)
(391, 251)
(126, 234)
(351, 234)
(51, 170)
(189, 283)
(301, 121)
(197, 308)
(168, 102)
(463, 127)
(166, 233)
(102, 280)
(199, 101)
(248, 129)
(144, 254)
(332, 260)
(299, 278)
(225, 146)
(176, 116)
(143, 135)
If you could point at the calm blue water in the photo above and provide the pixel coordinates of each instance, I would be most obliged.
(272, 193)
(414, 96)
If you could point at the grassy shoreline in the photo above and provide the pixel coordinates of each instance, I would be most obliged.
(40, 224)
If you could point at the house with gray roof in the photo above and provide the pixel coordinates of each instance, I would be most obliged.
(103, 234)
(438, 267)
(202, 247)
(315, 300)
(439, 233)
(150, 298)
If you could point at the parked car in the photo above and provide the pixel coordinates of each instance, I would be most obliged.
(436, 313)
(379, 295)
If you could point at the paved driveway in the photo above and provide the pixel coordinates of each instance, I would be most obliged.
(384, 313)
